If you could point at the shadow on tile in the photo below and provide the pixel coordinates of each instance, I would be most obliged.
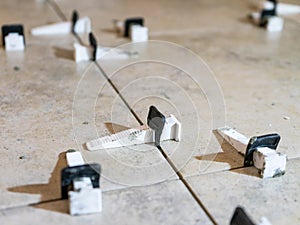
(64, 53)
(114, 128)
(60, 206)
(245, 20)
(230, 156)
(109, 30)
(50, 191)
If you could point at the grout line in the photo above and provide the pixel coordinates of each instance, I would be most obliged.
(57, 10)
(181, 178)
(46, 201)
(213, 172)
(186, 184)
(30, 204)
(63, 17)
(120, 95)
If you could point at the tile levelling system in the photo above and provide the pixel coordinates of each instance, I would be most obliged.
(80, 184)
(259, 151)
(160, 128)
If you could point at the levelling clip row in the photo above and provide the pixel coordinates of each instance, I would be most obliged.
(160, 128)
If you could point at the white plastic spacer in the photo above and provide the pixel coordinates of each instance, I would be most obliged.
(74, 158)
(14, 42)
(275, 24)
(138, 33)
(269, 162)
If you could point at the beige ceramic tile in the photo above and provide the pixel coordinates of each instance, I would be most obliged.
(36, 124)
(165, 203)
(260, 80)
(26, 12)
(275, 198)
(35, 121)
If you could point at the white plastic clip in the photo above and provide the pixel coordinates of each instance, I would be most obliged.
(268, 17)
(82, 25)
(138, 33)
(258, 151)
(136, 136)
(14, 42)
(83, 198)
(133, 28)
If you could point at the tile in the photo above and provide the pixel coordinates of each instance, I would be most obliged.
(275, 198)
(35, 120)
(11, 13)
(43, 115)
(164, 203)
(47, 107)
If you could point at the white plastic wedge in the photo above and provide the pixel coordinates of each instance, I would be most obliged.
(136, 136)
(83, 25)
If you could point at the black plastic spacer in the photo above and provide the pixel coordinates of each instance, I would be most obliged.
(156, 121)
(74, 19)
(240, 217)
(269, 140)
(93, 43)
(132, 21)
(265, 13)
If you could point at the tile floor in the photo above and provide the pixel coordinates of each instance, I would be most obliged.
(206, 64)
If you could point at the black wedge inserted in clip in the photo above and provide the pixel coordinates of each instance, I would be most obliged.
(74, 19)
(156, 121)
(240, 217)
(93, 43)
(269, 140)
(266, 13)
(69, 174)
